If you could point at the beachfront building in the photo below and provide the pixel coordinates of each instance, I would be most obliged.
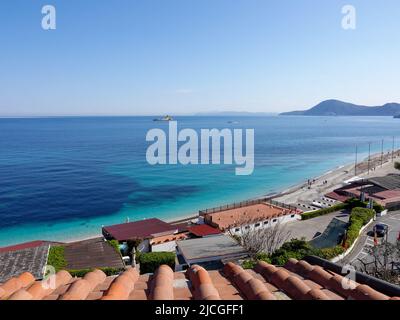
(383, 190)
(148, 232)
(250, 215)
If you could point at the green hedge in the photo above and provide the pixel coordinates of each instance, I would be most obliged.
(322, 212)
(108, 271)
(349, 204)
(296, 249)
(357, 203)
(251, 263)
(115, 245)
(330, 253)
(149, 262)
(358, 218)
(56, 258)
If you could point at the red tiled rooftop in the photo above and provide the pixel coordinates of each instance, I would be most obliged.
(388, 194)
(169, 238)
(297, 280)
(203, 230)
(143, 229)
(336, 196)
(22, 246)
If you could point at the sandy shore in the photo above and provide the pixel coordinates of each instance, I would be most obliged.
(378, 166)
(301, 192)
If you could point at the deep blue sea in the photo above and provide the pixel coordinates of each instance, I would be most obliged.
(63, 178)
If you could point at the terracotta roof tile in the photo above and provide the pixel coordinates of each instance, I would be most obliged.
(203, 286)
(296, 280)
(14, 284)
(251, 287)
(162, 284)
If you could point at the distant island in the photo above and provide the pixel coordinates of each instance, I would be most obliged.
(340, 108)
(235, 114)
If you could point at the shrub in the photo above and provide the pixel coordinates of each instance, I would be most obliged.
(138, 254)
(357, 203)
(348, 204)
(330, 253)
(251, 263)
(361, 215)
(358, 218)
(107, 270)
(149, 262)
(296, 249)
(321, 212)
(79, 273)
(56, 258)
(133, 245)
(115, 245)
(378, 207)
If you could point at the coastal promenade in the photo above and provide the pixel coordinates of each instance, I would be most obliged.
(334, 179)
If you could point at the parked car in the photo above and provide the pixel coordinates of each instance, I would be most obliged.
(381, 229)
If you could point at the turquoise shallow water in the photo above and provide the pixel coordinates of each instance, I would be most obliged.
(63, 178)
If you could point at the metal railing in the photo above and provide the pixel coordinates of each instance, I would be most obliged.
(247, 203)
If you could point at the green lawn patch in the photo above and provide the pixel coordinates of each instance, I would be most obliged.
(149, 262)
(56, 258)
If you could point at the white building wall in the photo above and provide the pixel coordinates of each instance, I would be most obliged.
(266, 223)
(164, 247)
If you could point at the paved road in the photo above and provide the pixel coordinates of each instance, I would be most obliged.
(309, 229)
(367, 238)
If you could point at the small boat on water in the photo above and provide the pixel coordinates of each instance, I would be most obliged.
(166, 118)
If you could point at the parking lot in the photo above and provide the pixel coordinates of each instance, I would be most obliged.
(360, 252)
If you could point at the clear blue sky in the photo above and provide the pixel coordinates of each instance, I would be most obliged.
(183, 56)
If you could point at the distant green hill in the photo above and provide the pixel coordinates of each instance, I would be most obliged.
(340, 108)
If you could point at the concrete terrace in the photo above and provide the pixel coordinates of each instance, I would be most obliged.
(93, 253)
(32, 260)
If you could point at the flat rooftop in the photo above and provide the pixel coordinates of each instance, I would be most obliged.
(217, 246)
(143, 229)
(256, 212)
(33, 259)
(93, 253)
(203, 230)
(25, 245)
(389, 182)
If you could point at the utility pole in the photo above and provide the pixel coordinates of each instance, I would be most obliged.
(393, 150)
(355, 167)
(369, 157)
(382, 155)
